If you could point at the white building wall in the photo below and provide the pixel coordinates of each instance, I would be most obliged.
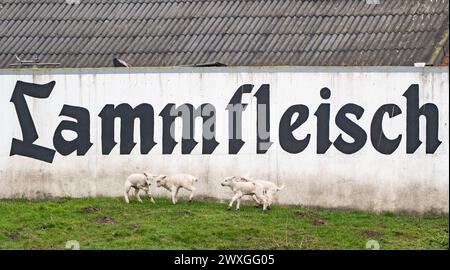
(365, 180)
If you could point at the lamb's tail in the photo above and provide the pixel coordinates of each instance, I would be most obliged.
(280, 187)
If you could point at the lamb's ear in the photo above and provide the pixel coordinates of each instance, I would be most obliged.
(146, 175)
(245, 178)
(163, 176)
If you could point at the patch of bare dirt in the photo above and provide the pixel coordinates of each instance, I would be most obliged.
(318, 220)
(370, 233)
(90, 209)
(299, 214)
(12, 235)
(105, 220)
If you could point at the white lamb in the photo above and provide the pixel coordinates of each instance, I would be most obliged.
(270, 187)
(173, 184)
(138, 181)
(241, 188)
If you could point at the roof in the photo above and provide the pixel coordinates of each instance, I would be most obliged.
(90, 33)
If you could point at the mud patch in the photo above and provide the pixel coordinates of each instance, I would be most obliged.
(318, 220)
(90, 209)
(12, 235)
(105, 220)
(299, 214)
(370, 233)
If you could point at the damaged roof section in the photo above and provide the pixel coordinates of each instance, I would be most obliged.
(91, 33)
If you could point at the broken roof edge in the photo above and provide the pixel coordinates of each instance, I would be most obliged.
(227, 69)
(440, 50)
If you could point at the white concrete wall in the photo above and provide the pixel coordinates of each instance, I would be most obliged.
(365, 180)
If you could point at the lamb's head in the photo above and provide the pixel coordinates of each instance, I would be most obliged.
(228, 181)
(149, 178)
(161, 180)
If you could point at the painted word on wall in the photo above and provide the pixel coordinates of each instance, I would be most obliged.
(292, 119)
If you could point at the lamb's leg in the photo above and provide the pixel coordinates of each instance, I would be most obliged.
(264, 206)
(269, 200)
(192, 190)
(136, 193)
(263, 198)
(126, 192)
(149, 195)
(174, 195)
(236, 195)
(238, 204)
(256, 199)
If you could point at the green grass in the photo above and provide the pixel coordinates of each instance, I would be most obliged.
(49, 224)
